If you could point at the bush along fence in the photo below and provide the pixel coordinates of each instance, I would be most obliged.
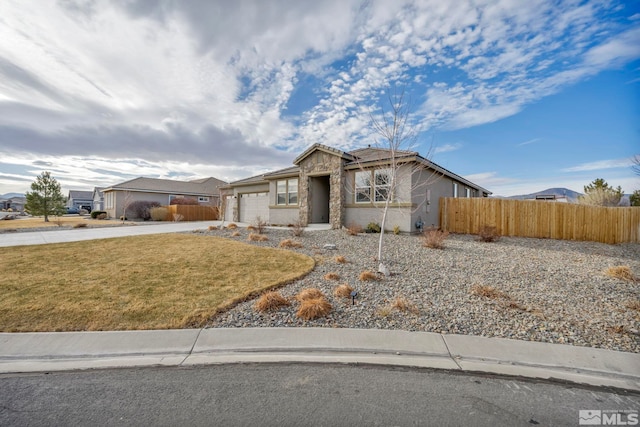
(191, 213)
(541, 219)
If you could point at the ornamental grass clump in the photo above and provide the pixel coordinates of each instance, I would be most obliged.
(332, 276)
(340, 259)
(232, 226)
(288, 243)
(343, 291)
(253, 237)
(309, 293)
(314, 308)
(434, 238)
(488, 234)
(622, 272)
(404, 305)
(368, 276)
(270, 301)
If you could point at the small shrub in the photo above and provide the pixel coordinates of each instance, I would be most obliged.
(633, 304)
(354, 229)
(102, 216)
(297, 228)
(373, 227)
(260, 225)
(232, 226)
(340, 259)
(309, 293)
(434, 238)
(80, 225)
(487, 292)
(83, 212)
(95, 214)
(488, 234)
(313, 308)
(159, 213)
(235, 234)
(142, 209)
(622, 272)
(396, 229)
(212, 228)
(270, 301)
(253, 237)
(251, 228)
(178, 217)
(332, 276)
(368, 276)
(404, 305)
(384, 311)
(343, 291)
(288, 243)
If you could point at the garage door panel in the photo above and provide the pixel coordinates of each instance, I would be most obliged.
(254, 205)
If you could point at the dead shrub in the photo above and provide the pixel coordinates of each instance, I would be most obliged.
(297, 228)
(313, 308)
(251, 228)
(622, 272)
(260, 225)
(232, 226)
(488, 234)
(340, 259)
(384, 311)
(343, 291)
(332, 276)
(178, 217)
(309, 293)
(288, 243)
(368, 276)
(404, 305)
(235, 234)
(270, 301)
(434, 238)
(487, 292)
(253, 237)
(212, 228)
(102, 216)
(354, 229)
(80, 225)
(633, 304)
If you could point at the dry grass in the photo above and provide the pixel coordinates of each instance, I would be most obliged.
(80, 225)
(313, 308)
(622, 272)
(404, 305)
(332, 276)
(633, 305)
(69, 221)
(368, 276)
(309, 293)
(434, 238)
(235, 234)
(232, 226)
(354, 229)
(384, 311)
(488, 292)
(488, 234)
(343, 291)
(297, 228)
(340, 259)
(251, 228)
(212, 228)
(144, 282)
(288, 243)
(257, 237)
(269, 301)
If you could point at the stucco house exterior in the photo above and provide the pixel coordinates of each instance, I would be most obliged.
(330, 186)
(206, 191)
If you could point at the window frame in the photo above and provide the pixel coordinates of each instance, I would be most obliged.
(377, 187)
(359, 189)
(285, 194)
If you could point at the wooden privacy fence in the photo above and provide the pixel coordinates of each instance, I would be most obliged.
(192, 213)
(542, 219)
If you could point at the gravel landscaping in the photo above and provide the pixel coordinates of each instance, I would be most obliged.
(543, 290)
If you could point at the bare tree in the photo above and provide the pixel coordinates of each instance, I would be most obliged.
(396, 136)
(128, 199)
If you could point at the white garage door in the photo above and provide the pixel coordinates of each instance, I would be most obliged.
(253, 205)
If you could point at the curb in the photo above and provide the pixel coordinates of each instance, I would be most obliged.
(61, 351)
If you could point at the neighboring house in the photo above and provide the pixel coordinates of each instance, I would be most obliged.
(98, 199)
(80, 200)
(16, 204)
(339, 188)
(206, 191)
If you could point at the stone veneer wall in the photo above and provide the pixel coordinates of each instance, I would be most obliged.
(318, 164)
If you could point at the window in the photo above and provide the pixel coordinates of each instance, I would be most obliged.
(455, 189)
(383, 184)
(467, 192)
(363, 187)
(287, 192)
(203, 199)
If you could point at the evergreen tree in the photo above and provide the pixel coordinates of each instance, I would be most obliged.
(599, 193)
(45, 197)
(635, 198)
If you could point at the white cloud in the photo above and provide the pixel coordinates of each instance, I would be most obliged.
(446, 148)
(600, 165)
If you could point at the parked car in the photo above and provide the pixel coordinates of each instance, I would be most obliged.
(72, 211)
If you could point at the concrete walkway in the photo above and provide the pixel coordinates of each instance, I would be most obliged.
(40, 352)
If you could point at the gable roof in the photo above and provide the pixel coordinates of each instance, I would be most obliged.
(77, 194)
(320, 147)
(205, 186)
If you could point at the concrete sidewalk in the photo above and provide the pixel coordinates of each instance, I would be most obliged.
(40, 352)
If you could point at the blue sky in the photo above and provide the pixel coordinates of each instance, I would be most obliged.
(515, 96)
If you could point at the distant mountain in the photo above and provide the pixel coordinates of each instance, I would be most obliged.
(559, 192)
(10, 195)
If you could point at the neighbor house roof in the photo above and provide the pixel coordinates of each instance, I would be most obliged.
(204, 186)
(77, 194)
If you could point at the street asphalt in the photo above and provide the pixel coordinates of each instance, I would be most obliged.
(60, 351)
